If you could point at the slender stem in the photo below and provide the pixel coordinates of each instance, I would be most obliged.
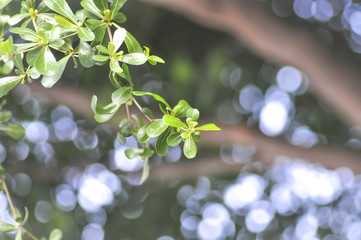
(30, 234)
(127, 108)
(28, 50)
(140, 109)
(6, 190)
(72, 34)
(34, 24)
(110, 34)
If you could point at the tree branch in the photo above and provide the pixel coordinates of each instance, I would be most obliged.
(266, 148)
(330, 77)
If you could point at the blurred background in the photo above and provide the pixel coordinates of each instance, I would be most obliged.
(280, 77)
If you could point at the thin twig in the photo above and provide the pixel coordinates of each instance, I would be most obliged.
(6, 190)
(110, 34)
(140, 109)
(127, 108)
(30, 234)
(72, 34)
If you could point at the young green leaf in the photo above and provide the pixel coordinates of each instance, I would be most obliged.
(102, 5)
(86, 34)
(114, 66)
(102, 49)
(3, 3)
(156, 128)
(56, 234)
(121, 95)
(49, 81)
(154, 60)
(86, 54)
(193, 114)
(4, 19)
(63, 21)
(6, 227)
(18, 235)
(174, 121)
(121, 139)
(147, 112)
(190, 148)
(98, 28)
(208, 127)
(196, 137)
(116, 6)
(155, 96)
(91, 7)
(119, 37)
(13, 130)
(161, 146)
(134, 58)
(46, 63)
(132, 44)
(133, 152)
(145, 173)
(26, 34)
(8, 83)
(181, 108)
(61, 7)
(174, 139)
(100, 58)
(5, 116)
(142, 135)
(18, 18)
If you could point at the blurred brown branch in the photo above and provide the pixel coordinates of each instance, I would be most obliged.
(266, 148)
(331, 78)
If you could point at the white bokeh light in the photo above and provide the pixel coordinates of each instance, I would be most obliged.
(273, 118)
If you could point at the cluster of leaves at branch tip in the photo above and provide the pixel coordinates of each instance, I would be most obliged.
(90, 36)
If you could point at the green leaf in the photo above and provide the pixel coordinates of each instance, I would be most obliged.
(134, 58)
(3, 3)
(100, 58)
(18, 235)
(98, 28)
(56, 234)
(61, 7)
(46, 63)
(145, 173)
(90, 6)
(8, 66)
(121, 139)
(26, 33)
(4, 19)
(86, 54)
(147, 112)
(86, 34)
(154, 60)
(49, 81)
(119, 17)
(6, 227)
(174, 139)
(161, 146)
(63, 21)
(142, 135)
(181, 108)
(8, 83)
(121, 95)
(156, 128)
(5, 116)
(132, 44)
(155, 96)
(18, 18)
(190, 148)
(32, 56)
(208, 127)
(193, 114)
(196, 137)
(57, 43)
(102, 5)
(118, 38)
(114, 66)
(102, 49)
(174, 121)
(133, 152)
(18, 61)
(127, 73)
(103, 114)
(13, 130)
(116, 6)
